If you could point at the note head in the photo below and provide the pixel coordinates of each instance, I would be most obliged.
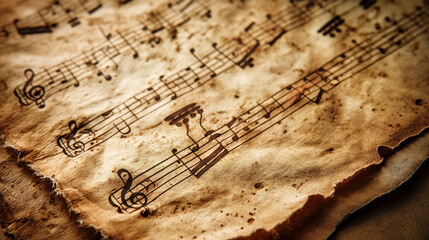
(235, 138)
(208, 133)
(136, 55)
(213, 75)
(208, 14)
(195, 148)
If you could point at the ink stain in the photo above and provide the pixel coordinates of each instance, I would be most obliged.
(419, 102)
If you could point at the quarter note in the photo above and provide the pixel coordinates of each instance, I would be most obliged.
(203, 65)
(93, 63)
(267, 113)
(197, 77)
(161, 78)
(157, 97)
(279, 35)
(229, 125)
(136, 54)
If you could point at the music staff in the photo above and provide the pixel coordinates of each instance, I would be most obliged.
(235, 53)
(186, 163)
(49, 18)
(333, 26)
(102, 57)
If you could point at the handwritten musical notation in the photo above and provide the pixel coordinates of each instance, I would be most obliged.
(95, 63)
(49, 18)
(332, 27)
(202, 154)
(238, 52)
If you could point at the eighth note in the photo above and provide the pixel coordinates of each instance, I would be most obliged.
(331, 26)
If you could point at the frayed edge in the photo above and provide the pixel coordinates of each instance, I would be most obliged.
(293, 224)
(54, 185)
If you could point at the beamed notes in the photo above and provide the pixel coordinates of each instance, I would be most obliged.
(237, 52)
(212, 119)
(98, 62)
(210, 148)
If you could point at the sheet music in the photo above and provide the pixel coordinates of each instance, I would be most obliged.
(209, 119)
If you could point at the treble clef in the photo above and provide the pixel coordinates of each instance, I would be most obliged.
(71, 147)
(134, 198)
(32, 93)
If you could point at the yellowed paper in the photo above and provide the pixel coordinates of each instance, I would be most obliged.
(216, 122)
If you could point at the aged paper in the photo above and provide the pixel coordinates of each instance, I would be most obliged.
(211, 119)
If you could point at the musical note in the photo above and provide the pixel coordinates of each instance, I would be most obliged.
(73, 20)
(203, 65)
(110, 50)
(283, 103)
(46, 19)
(157, 97)
(93, 63)
(32, 30)
(161, 78)
(124, 129)
(91, 5)
(208, 162)
(279, 35)
(30, 94)
(238, 50)
(182, 115)
(229, 125)
(367, 3)
(332, 25)
(136, 54)
(105, 54)
(69, 143)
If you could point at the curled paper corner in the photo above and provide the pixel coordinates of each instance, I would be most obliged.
(300, 224)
